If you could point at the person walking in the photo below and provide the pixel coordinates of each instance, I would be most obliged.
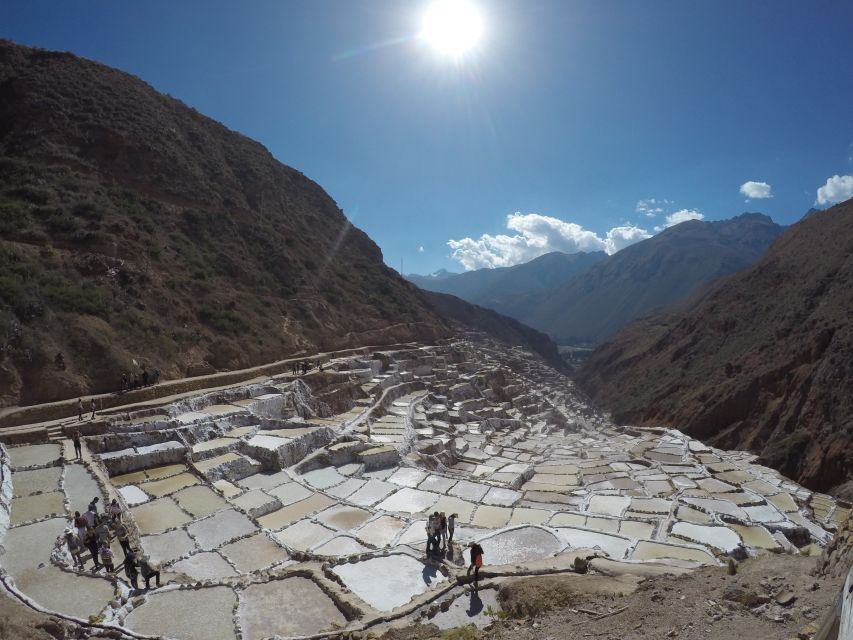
(148, 571)
(123, 539)
(78, 445)
(131, 571)
(79, 409)
(93, 506)
(451, 527)
(115, 510)
(92, 545)
(93, 409)
(75, 547)
(429, 528)
(476, 562)
(124, 381)
(436, 531)
(81, 524)
(103, 530)
(443, 529)
(107, 557)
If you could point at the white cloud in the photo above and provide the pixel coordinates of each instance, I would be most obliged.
(650, 207)
(420, 249)
(836, 189)
(756, 190)
(537, 235)
(620, 237)
(682, 215)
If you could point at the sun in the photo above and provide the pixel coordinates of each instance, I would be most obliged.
(452, 27)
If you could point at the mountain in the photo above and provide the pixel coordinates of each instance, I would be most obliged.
(135, 230)
(435, 276)
(505, 288)
(764, 361)
(474, 317)
(653, 273)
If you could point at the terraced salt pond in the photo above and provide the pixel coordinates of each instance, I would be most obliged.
(316, 496)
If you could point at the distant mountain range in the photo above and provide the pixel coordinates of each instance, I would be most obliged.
(505, 288)
(763, 361)
(584, 298)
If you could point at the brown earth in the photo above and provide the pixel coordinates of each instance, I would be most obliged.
(763, 362)
(707, 604)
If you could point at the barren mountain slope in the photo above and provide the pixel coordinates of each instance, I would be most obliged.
(133, 227)
(764, 362)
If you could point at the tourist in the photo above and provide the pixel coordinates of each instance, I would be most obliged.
(476, 562)
(79, 409)
(124, 381)
(144, 377)
(148, 571)
(78, 447)
(75, 547)
(451, 526)
(443, 529)
(91, 541)
(103, 530)
(429, 528)
(107, 557)
(93, 409)
(82, 525)
(131, 571)
(436, 531)
(156, 376)
(132, 383)
(123, 539)
(93, 506)
(115, 510)
(91, 517)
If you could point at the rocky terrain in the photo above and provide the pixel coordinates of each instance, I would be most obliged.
(314, 490)
(763, 362)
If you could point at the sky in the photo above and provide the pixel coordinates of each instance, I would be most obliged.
(570, 125)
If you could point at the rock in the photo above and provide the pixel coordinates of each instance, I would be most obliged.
(742, 596)
(732, 567)
(785, 599)
(807, 631)
(581, 565)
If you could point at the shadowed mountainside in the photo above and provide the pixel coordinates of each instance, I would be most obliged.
(648, 275)
(498, 326)
(763, 362)
(135, 231)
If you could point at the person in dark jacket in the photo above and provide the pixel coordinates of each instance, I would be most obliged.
(476, 562)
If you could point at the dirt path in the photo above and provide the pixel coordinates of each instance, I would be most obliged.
(706, 604)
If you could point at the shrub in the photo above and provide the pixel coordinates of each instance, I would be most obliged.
(84, 298)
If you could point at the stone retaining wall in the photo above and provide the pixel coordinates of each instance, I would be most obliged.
(5, 494)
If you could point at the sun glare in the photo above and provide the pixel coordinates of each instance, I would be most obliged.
(452, 27)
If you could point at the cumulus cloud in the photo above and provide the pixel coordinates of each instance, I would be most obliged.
(537, 235)
(682, 215)
(650, 207)
(620, 237)
(756, 190)
(836, 189)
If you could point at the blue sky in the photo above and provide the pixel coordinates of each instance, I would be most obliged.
(569, 113)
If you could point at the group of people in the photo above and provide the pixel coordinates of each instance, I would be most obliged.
(95, 531)
(440, 530)
(301, 367)
(132, 380)
(80, 410)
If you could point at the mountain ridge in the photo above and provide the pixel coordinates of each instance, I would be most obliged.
(760, 362)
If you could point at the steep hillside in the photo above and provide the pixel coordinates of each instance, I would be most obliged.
(650, 274)
(764, 362)
(505, 289)
(132, 228)
(500, 327)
